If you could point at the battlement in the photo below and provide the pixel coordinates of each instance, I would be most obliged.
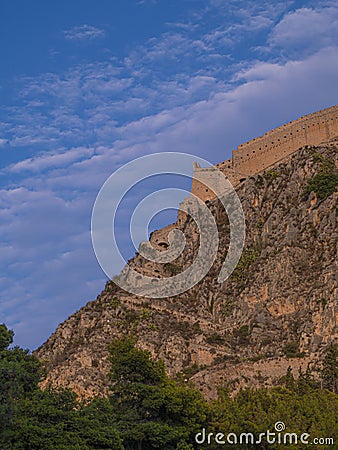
(260, 153)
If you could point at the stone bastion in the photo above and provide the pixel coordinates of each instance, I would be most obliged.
(265, 151)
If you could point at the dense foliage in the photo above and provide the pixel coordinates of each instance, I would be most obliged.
(146, 410)
(300, 405)
(325, 182)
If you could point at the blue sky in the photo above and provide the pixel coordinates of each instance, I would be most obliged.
(85, 89)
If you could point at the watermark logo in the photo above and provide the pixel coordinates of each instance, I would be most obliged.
(117, 186)
(279, 436)
(280, 426)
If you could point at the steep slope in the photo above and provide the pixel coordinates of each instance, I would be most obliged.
(278, 308)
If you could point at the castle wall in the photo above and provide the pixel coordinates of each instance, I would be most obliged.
(256, 155)
(199, 189)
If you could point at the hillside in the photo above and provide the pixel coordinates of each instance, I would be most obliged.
(278, 308)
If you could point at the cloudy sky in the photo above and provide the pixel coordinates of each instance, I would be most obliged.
(88, 86)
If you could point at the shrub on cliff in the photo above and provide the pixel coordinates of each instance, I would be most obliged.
(325, 182)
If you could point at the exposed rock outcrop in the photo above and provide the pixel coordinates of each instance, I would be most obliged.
(278, 308)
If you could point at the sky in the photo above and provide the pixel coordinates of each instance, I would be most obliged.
(87, 86)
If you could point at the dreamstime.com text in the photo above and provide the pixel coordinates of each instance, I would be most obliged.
(278, 436)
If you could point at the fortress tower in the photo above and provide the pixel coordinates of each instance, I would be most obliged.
(265, 151)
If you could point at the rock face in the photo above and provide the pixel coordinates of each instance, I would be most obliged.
(278, 308)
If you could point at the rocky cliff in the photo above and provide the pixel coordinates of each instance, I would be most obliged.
(278, 308)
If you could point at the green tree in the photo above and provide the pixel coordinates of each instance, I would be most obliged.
(152, 411)
(20, 373)
(310, 410)
(95, 424)
(42, 421)
(35, 419)
(53, 419)
(330, 369)
(289, 379)
(131, 365)
(6, 337)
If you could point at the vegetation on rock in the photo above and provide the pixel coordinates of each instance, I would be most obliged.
(325, 182)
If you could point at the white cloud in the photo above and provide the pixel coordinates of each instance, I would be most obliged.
(183, 26)
(83, 32)
(50, 160)
(306, 29)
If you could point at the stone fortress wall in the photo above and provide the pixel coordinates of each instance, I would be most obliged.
(256, 156)
(263, 152)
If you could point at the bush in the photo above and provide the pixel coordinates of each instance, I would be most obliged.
(271, 175)
(325, 182)
(215, 338)
(172, 268)
(242, 334)
(318, 157)
(115, 302)
(248, 257)
(227, 307)
(290, 350)
(243, 331)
